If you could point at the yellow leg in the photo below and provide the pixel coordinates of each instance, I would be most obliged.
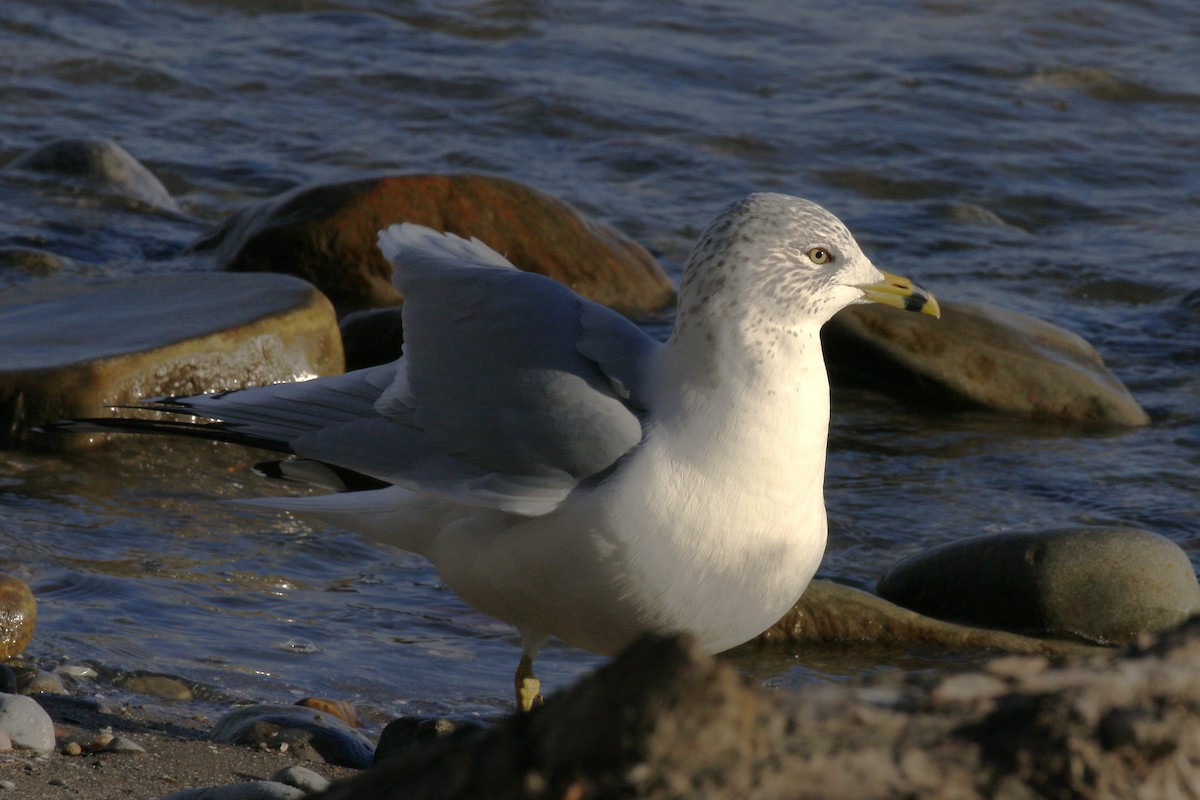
(529, 688)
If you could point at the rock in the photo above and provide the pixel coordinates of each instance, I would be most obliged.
(979, 357)
(18, 616)
(302, 778)
(39, 681)
(338, 708)
(402, 733)
(6, 744)
(26, 723)
(664, 721)
(8, 680)
(154, 684)
(123, 744)
(327, 235)
(829, 613)
(309, 734)
(162, 335)
(32, 262)
(100, 166)
(1099, 585)
(372, 336)
(250, 790)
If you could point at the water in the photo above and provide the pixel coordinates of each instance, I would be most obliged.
(1038, 156)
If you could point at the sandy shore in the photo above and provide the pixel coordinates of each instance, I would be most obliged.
(178, 755)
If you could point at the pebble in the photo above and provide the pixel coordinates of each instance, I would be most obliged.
(301, 778)
(121, 744)
(26, 723)
(7, 785)
(164, 687)
(43, 682)
(72, 749)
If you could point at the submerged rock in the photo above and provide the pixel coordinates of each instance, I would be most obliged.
(1100, 585)
(664, 721)
(979, 357)
(70, 348)
(308, 733)
(99, 165)
(830, 613)
(328, 235)
(18, 616)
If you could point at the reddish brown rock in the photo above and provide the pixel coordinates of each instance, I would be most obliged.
(979, 357)
(327, 235)
(18, 616)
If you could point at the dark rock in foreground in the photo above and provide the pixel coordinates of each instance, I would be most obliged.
(328, 235)
(70, 348)
(664, 721)
(979, 357)
(1100, 585)
(308, 734)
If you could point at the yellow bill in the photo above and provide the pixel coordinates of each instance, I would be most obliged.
(900, 292)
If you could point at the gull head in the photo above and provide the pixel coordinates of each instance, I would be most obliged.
(783, 261)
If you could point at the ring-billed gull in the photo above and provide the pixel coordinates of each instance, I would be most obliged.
(562, 470)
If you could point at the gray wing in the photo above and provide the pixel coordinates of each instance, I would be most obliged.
(511, 390)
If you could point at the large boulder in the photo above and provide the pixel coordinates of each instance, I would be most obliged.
(1099, 585)
(328, 235)
(69, 348)
(665, 722)
(979, 357)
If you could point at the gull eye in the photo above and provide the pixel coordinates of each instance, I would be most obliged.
(819, 255)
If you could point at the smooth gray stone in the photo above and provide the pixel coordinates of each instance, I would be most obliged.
(250, 790)
(1100, 585)
(26, 723)
(982, 357)
(302, 778)
(100, 164)
(70, 348)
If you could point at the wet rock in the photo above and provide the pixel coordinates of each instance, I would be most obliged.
(1099, 585)
(161, 335)
(250, 790)
(26, 723)
(663, 722)
(39, 681)
(338, 708)
(8, 680)
(372, 336)
(18, 616)
(166, 687)
(402, 733)
(100, 166)
(830, 613)
(309, 734)
(327, 235)
(979, 357)
(302, 778)
(31, 262)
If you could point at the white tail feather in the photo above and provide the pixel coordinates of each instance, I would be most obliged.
(408, 239)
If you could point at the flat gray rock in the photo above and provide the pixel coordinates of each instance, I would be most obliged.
(1100, 585)
(26, 723)
(979, 357)
(69, 348)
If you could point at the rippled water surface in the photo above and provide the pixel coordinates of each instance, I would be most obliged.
(1039, 156)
